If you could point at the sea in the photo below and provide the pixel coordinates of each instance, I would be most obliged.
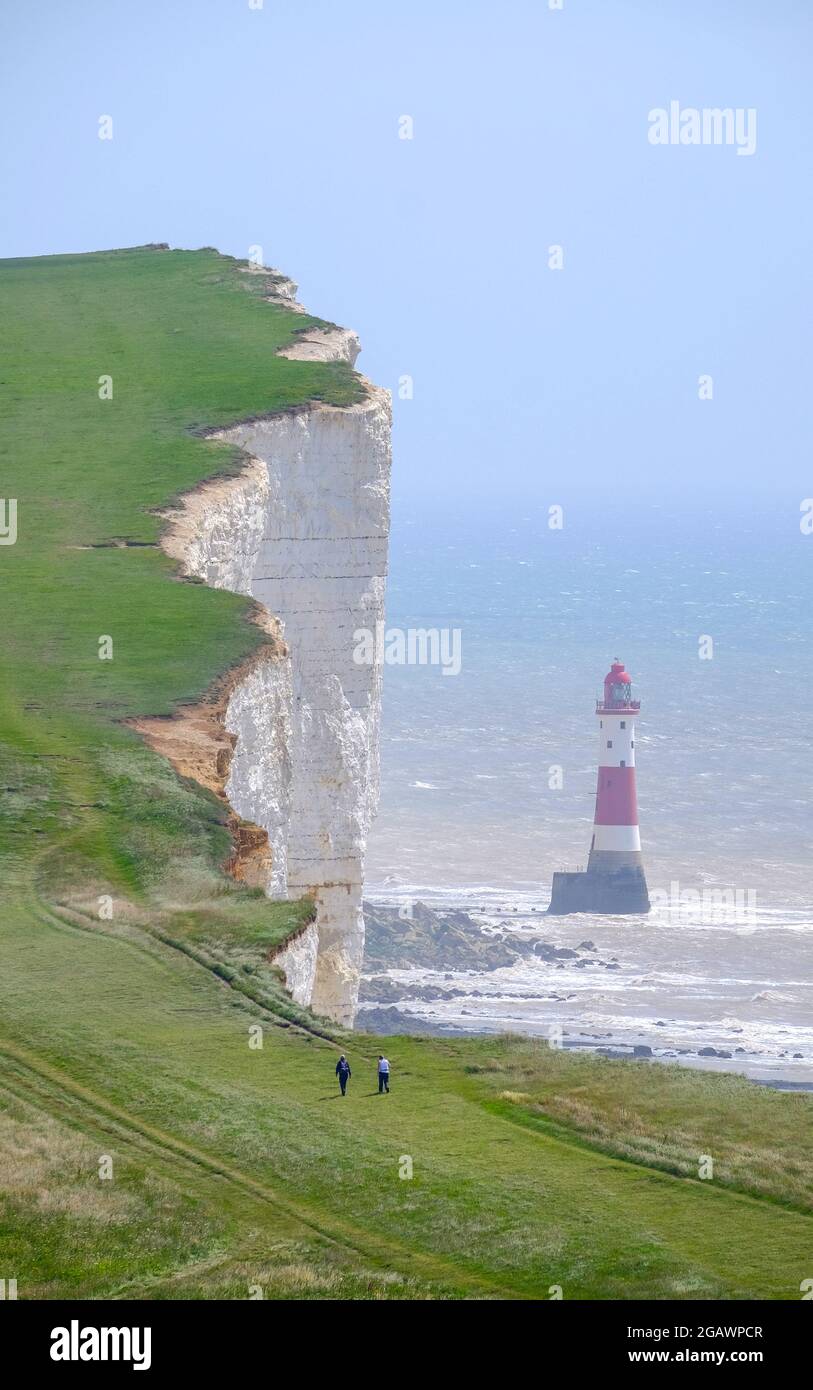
(488, 773)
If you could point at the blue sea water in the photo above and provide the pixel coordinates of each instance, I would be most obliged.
(723, 749)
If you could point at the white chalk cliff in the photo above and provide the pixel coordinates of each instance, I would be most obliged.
(303, 529)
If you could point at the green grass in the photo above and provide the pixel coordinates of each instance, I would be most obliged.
(664, 1116)
(235, 1167)
(190, 344)
(145, 1043)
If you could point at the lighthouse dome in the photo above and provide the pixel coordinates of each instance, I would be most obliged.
(617, 675)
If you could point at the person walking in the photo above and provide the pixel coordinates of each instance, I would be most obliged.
(383, 1075)
(343, 1072)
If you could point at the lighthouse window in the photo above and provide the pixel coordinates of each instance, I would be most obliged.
(623, 723)
(623, 763)
(609, 743)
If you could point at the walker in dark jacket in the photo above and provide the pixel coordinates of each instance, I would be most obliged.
(343, 1072)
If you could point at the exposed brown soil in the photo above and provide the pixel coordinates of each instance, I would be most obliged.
(196, 742)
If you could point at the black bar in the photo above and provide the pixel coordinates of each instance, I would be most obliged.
(248, 1337)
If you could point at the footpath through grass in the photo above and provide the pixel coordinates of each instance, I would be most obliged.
(150, 1056)
(495, 1169)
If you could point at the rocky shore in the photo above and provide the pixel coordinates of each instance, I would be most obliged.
(441, 971)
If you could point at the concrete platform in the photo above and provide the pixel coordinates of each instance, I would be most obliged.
(621, 891)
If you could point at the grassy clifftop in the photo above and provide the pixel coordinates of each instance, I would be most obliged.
(95, 629)
(496, 1168)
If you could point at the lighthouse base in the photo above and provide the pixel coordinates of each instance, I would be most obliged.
(604, 891)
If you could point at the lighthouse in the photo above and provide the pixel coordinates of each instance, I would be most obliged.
(614, 881)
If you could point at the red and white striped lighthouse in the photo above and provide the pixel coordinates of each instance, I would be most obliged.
(616, 839)
(614, 881)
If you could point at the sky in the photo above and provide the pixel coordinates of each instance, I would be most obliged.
(238, 123)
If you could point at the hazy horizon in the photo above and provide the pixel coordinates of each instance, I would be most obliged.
(240, 127)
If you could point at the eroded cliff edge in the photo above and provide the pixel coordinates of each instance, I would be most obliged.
(303, 529)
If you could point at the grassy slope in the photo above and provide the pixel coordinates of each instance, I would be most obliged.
(530, 1168)
(188, 341)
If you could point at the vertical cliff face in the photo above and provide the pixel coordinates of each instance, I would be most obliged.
(303, 529)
